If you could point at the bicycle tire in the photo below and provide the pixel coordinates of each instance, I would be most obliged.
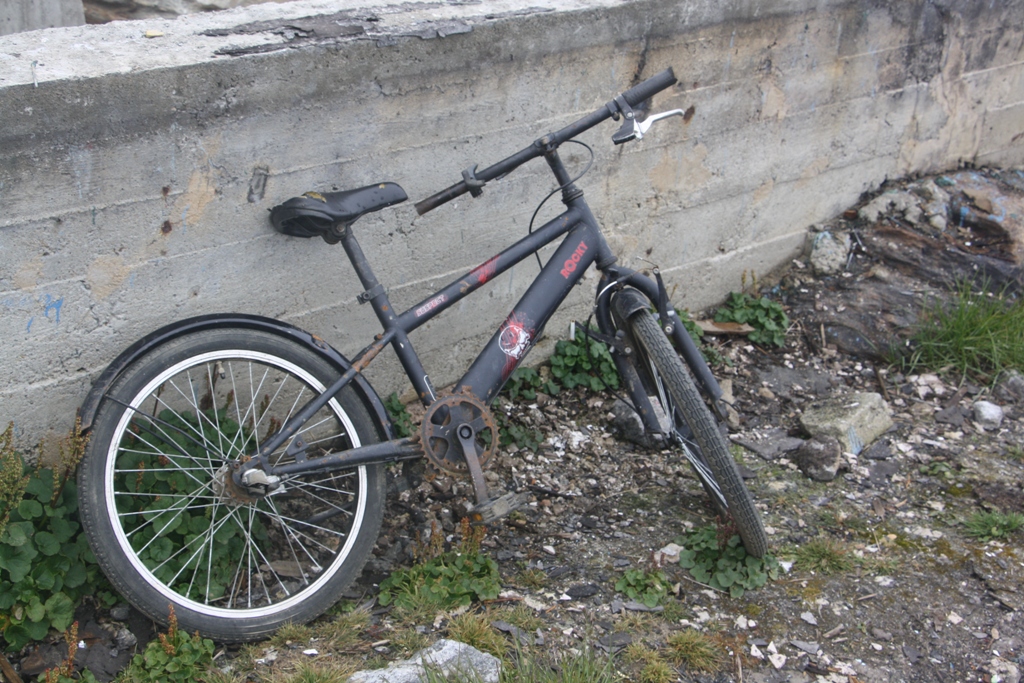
(696, 430)
(161, 515)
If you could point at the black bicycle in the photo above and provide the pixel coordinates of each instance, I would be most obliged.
(235, 468)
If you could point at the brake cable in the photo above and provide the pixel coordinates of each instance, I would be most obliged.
(559, 189)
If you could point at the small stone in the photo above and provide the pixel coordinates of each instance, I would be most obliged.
(809, 647)
(954, 618)
(879, 634)
(809, 618)
(829, 251)
(583, 590)
(756, 652)
(549, 549)
(876, 647)
(777, 660)
(819, 459)
(120, 612)
(668, 555)
(987, 415)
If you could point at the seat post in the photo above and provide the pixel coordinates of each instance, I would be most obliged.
(373, 291)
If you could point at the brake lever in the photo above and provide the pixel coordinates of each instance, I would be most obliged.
(641, 127)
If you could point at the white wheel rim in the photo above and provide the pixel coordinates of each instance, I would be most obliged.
(124, 542)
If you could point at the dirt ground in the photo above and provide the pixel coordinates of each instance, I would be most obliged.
(921, 601)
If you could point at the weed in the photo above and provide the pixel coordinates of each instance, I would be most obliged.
(723, 562)
(46, 566)
(978, 334)
(522, 617)
(13, 479)
(173, 656)
(525, 382)
(640, 653)
(636, 622)
(824, 555)
(289, 634)
(65, 671)
(444, 579)
(344, 632)
(511, 432)
(1015, 453)
(401, 420)
(656, 671)
(409, 640)
(938, 468)
(587, 666)
(476, 630)
(694, 650)
(986, 526)
(674, 611)
(533, 578)
(311, 672)
(583, 362)
(767, 317)
(650, 588)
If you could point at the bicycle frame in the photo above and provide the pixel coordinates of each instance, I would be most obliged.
(582, 244)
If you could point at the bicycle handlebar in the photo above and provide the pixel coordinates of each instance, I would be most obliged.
(633, 96)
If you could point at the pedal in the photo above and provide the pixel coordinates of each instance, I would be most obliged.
(496, 508)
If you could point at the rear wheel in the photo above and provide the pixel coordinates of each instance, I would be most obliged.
(693, 428)
(165, 519)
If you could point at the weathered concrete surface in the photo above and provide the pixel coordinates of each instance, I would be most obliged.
(100, 11)
(29, 15)
(127, 163)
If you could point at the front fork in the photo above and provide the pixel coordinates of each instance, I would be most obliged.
(643, 293)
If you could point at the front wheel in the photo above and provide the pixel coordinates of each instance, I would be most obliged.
(692, 426)
(169, 526)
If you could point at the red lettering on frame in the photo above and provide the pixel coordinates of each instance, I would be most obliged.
(570, 263)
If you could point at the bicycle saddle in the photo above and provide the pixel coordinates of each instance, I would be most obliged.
(317, 214)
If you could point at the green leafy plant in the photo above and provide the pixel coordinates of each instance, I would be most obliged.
(986, 526)
(524, 382)
(46, 566)
(978, 334)
(445, 579)
(767, 317)
(583, 362)
(650, 588)
(512, 432)
(173, 656)
(401, 420)
(721, 561)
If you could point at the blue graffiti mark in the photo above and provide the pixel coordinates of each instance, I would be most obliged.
(94, 215)
(28, 328)
(51, 304)
(963, 214)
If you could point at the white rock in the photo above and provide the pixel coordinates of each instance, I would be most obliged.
(809, 618)
(449, 658)
(954, 618)
(987, 415)
(668, 555)
(756, 652)
(778, 661)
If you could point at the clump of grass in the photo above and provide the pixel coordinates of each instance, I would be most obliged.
(694, 650)
(476, 630)
(522, 617)
(290, 634)
(825, 556)
(978, 334)
(656, 671)
(986, 526)
(533, 578)
(345, 632)
(408, 640)
(589, 666)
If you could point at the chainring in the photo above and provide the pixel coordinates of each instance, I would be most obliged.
(439, 438)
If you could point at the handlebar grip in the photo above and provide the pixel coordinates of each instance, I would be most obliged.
(647, 89)
(446, 195)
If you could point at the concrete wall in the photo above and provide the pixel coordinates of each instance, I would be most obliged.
(127, 163)
(29, 15)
